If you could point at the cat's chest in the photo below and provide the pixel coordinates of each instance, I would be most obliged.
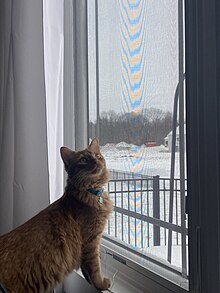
(93, 220)
(94, 217)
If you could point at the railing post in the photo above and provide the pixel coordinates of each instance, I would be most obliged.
(156, 209)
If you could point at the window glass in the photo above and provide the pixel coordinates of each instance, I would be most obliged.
(136, 109)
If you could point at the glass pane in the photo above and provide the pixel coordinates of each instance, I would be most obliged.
(136, 108)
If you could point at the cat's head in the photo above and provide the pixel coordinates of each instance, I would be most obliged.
(86, 168)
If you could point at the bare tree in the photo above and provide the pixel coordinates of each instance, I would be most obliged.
(138, 128)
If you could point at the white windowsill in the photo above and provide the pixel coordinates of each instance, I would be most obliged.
(138, 274)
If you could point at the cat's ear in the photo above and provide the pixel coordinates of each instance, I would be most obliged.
(94, 145)
(66, 155)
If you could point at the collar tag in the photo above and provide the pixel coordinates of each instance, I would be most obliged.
(100, 200)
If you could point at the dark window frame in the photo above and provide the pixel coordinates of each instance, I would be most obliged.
(203, 114)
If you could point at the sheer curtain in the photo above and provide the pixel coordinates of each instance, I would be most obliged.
(31, 57)
(53, 60)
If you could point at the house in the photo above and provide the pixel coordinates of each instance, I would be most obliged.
(168, 139)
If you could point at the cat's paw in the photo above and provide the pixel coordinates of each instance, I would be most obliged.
(104, 285)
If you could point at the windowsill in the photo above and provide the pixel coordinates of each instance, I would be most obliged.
(76, 282)
(137, 272)
(130, 278)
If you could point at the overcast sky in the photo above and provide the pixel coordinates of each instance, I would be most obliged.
(160, 60)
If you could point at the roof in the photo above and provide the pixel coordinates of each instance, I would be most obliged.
(177, 131)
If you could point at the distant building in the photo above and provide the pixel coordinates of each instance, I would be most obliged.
(168, 139)
(123, 145)
(150, 144)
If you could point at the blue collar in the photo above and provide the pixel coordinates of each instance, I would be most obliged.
(98, 192)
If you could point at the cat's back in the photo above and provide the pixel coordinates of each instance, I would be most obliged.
(46, 228)
(39, 247)
(42, 227)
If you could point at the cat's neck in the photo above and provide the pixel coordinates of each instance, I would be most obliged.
(93, 197)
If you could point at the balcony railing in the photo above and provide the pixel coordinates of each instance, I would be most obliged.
(140, 220)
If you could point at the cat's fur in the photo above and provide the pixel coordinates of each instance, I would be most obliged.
(66, 235)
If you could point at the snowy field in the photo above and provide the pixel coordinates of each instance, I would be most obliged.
(140, 159)
(151, 161)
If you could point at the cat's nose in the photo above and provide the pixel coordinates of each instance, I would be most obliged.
(94, 162)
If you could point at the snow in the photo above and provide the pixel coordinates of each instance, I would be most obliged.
(150, 161)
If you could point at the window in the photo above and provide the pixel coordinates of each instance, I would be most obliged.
(99, 51)
(136, 108)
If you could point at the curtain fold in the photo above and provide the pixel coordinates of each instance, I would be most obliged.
(24, 125)
(53, 61)
(6, 119)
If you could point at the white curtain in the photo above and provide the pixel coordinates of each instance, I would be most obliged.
(31, 60)
(53, 52)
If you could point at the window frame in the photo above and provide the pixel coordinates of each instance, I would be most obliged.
(203, 108)
(202, 75)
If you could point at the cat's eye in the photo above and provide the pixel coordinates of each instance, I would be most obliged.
(98, 156)
(83, 160)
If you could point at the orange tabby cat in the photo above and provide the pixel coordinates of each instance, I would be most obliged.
(40, 253)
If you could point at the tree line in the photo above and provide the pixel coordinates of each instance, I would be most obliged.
(151, 125)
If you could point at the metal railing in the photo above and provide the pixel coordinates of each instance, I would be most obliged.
(140, 219)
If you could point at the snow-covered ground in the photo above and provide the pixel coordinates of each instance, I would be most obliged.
(140, 159)
(149, 161)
